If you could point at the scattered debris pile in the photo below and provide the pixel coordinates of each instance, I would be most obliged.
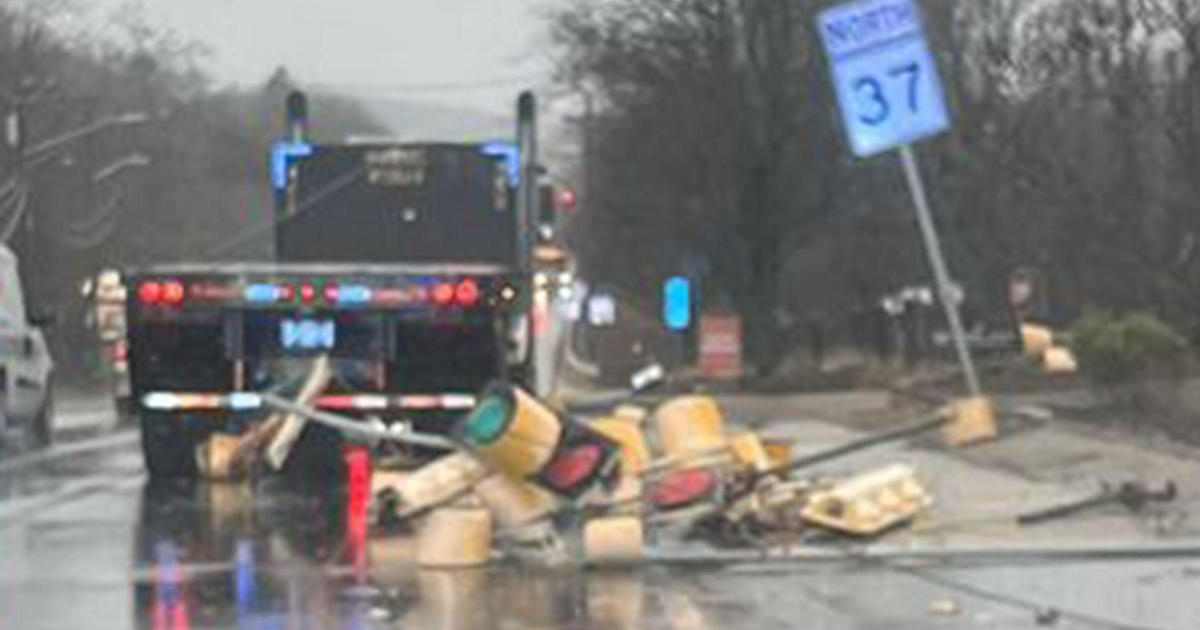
(551, 489)
(518, 479)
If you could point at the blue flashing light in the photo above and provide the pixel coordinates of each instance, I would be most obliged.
(677, 303)
(244, 401)
(353, 295)
(510, 153)
(282, 154)
(262, 293)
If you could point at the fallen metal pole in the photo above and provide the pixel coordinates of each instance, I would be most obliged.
(884, 553)
(1133, 495)
(853, 446)
(856, 445)
(355, 427)
(805, 461)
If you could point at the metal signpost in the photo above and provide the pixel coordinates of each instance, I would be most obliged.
(890, 96)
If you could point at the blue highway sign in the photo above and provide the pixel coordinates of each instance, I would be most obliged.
(885, 77)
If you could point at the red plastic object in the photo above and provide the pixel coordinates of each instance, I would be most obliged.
(358, 493)
(683, 488)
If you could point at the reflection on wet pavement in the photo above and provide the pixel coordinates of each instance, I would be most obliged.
(218, 556)
(296, 556)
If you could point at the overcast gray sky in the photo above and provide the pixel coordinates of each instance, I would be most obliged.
(373, 45)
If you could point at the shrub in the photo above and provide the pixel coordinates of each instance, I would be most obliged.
(1126, 350)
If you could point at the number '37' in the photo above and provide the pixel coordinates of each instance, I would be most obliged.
(874, 106)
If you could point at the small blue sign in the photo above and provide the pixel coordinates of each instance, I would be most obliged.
(885, 77)
(282, 156)
(677, 303)
(510, 153)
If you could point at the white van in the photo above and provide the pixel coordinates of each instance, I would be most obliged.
(26, 369)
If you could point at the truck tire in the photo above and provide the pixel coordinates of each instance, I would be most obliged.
(168, 448)
(316, 456)
(124, 409)
(41, 430)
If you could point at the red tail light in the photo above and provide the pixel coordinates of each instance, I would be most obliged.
(467, 293)
(172, 293)
(443, 294)
(287, 293)
(308, 293)
(336, 403)
(330, 292)
(150, 292)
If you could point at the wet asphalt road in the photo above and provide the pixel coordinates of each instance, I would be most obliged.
(85, 543)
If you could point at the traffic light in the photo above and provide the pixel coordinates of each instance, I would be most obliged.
(297, 116)
(520, 436)
(546, 216)
(567, 200)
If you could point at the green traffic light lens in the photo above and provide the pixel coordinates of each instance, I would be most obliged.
(488, 420)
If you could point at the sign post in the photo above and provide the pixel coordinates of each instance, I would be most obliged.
(942, 277)
(890, 96)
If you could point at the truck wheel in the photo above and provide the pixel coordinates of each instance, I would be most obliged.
(168, 449)
(124, 409)
(317, 455)
(42, 430)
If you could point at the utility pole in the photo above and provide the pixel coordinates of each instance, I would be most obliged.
(25, 160)
(17, 141)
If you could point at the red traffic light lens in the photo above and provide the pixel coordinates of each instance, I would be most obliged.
(683, 487)
(567, 199)
(573, 467)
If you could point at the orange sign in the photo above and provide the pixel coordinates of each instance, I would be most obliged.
(721, 346)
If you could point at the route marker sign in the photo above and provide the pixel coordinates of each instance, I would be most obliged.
(885, 77)
(890, 95)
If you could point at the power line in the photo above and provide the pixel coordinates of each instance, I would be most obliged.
(301, 208)
(459, 86)
(17, 215)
